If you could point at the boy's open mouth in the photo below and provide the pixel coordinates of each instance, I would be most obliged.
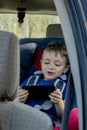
(50, 73)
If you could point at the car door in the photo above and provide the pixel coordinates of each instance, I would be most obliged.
(73, 16)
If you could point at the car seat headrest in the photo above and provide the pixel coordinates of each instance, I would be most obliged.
(37, 63)
(27, 54)
(54, 31)
(9, 65)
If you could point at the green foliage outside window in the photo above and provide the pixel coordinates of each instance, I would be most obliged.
(33, 25)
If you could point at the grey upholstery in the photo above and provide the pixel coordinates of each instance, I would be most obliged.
(14, 115)
(54, 31)
(17, 116)
(9, 64)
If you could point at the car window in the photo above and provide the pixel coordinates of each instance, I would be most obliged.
(33, 25)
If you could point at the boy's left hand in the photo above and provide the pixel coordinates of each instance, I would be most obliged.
(56, 96)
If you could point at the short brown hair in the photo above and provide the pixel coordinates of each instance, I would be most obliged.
(58, 47)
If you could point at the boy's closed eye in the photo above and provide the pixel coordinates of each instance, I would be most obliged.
(57, 64)
(45, 61)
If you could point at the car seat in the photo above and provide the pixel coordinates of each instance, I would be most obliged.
(14, 115)
(27, 54)
(53, 33)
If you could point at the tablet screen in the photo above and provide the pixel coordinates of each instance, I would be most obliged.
(37, 92)
(42, 92)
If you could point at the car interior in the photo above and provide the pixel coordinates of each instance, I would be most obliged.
(29, 52)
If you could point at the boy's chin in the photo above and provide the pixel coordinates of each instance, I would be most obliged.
(49, 78)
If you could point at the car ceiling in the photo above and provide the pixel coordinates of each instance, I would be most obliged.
(31, 6)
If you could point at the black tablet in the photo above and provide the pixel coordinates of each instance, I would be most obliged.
(39, 92)
(42, 92)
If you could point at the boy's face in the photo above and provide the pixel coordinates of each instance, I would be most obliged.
(53, 65)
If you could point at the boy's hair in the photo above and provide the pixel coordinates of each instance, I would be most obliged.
(58, 47)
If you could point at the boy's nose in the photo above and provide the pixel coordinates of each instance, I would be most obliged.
(51, 66)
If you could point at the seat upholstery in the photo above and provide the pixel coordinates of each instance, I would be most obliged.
(54, 30)
(27, 54)
(9, 65)
(17, 116)
(14, 115)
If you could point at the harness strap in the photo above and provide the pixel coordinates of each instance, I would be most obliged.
(59, 83)
(45, 106)
(33, 80)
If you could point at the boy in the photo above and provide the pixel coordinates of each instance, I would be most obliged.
(54, 65)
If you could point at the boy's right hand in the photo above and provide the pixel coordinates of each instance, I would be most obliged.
(22, 95)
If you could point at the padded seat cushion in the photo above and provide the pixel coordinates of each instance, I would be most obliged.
(18, 116)
(27, 52)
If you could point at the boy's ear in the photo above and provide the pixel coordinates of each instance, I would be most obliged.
(66, 68)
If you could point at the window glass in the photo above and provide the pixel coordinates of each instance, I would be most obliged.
(33, 25)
